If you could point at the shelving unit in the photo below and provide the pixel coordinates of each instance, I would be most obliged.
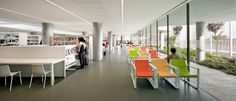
(70, 53)
(64, 40)
(33, 40)
(19, 39)
(9, 38)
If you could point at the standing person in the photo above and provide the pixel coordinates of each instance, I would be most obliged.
(81, 51)
(104, 49)
(86, 59)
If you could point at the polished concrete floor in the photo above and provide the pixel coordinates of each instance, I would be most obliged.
(217, 83)
(107, 80)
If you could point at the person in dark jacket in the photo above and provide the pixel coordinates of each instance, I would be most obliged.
(81, 51)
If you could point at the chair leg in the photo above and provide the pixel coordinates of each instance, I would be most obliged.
(42, 78)
(197, 82)
(177, 82)
(31, 80)
(156, 82)
(45, 75)
(5, 81)
(20, 78)
(11, 82)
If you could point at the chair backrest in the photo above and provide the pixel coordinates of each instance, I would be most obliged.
(143, 48)
(133, 54)
(161, 64)
(142, 65)
(136, 48)
(38, 69)
(129, 48)
(153, 54)
(5, 70)
(181, 64)
(143, 55)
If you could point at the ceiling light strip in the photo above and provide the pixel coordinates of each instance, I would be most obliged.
(22, 14)
(68, 12)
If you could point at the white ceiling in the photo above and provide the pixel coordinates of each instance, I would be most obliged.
(204, 10)
(137, 13)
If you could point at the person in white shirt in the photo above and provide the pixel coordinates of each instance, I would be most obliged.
(81, 50)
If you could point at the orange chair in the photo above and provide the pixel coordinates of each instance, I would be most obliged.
(153, 54)
(142, 69)
(163, 71)
(143, 55)
(143, 49)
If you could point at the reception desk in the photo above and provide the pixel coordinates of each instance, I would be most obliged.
(22, 57)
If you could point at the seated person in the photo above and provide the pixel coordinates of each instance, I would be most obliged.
(173, 55)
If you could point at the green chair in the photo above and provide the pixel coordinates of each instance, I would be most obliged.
(137, 48)
(184, 72)
(133, 54)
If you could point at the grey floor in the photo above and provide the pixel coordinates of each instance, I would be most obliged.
(107, 80)
(217, 83)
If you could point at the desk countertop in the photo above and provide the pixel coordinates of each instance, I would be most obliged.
(29, 61)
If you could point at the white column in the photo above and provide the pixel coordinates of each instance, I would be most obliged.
(97, 41)
(91, 47)
(230, 40)
(47, 33)
(113, 40)
(110, 40)
(200, 40)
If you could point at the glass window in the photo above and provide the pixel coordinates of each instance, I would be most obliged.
(153, 35)
(233, 26)
(178, 31)
(162, 35)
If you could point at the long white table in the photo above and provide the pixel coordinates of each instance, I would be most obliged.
(50, 62)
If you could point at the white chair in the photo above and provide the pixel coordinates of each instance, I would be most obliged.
(39, 69)
(5, 72)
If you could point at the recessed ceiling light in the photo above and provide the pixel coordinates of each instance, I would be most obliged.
(80, 18)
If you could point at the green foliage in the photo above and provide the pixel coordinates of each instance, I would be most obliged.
(215, 27)
(177, 29)
(163, 51)
(172, 41)
(224, 66)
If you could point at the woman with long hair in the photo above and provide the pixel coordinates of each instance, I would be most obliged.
(81, 48)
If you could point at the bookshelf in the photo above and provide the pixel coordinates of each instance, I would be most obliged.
(12, 38)
(33, 40)
(65, 40)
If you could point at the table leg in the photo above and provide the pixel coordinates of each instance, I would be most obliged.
(52, 74)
